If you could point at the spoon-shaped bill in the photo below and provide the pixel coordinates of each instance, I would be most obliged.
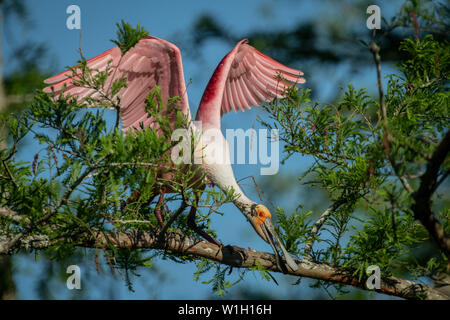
(274, 241)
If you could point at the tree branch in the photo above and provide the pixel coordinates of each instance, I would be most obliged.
(422, 197)
(178, 243)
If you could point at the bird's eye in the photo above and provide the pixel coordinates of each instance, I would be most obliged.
(262, 213)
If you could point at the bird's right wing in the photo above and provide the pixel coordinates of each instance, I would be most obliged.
(152, 61)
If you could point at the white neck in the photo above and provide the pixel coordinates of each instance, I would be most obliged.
(216, 163)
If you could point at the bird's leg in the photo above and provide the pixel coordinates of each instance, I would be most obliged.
(160, 205)
(193, 225)
(166, 210)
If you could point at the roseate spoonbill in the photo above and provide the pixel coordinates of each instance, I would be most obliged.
(243, 79)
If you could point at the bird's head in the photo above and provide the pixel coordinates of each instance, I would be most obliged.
(258, 217)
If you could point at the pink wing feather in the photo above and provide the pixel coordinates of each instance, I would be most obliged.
(150, 62)
(245, 78)
(253, 79)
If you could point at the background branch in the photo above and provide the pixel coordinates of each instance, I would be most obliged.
(422, 198)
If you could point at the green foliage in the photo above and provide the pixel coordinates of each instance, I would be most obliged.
(292, 228)
(262, 271)
(369, 177)
(219, 283)
(127, 36)
(218, 280)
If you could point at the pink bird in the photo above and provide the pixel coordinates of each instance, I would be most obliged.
(243, 79)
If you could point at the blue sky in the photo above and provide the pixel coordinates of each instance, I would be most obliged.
(170, 20)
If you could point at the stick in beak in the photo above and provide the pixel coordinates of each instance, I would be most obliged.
(263, 225)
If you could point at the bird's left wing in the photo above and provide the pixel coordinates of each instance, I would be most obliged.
(255, 78)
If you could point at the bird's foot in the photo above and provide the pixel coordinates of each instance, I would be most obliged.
(234, 254)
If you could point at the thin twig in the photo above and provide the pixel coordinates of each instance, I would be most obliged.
(317, 225)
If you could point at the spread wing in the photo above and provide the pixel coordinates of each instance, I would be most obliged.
(152, 61)
(255, 78)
